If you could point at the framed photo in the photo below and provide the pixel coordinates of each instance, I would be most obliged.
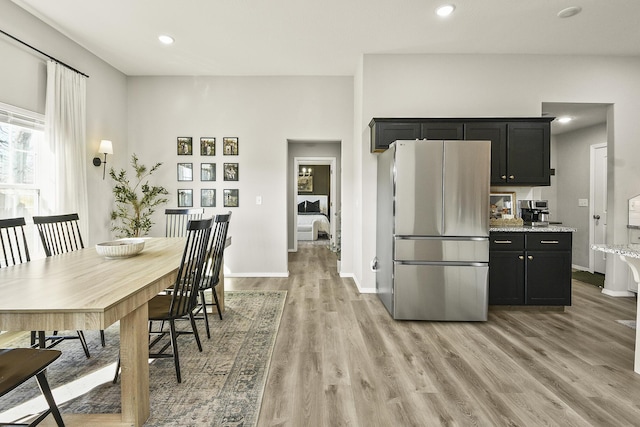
(207, 146)
(208, 198)
(230, 198)
(305, 184)
(502, 205)
(185, 146)
(185, 198)
(230, 171)
(207, 171)
(185, 171)
(230, 146)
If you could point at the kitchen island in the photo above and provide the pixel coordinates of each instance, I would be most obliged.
(530, 266)
(630, 254)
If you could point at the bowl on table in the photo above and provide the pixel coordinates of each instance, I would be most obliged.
(122, 248)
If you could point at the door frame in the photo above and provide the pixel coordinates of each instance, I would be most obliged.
(314, 160)
(592, 193)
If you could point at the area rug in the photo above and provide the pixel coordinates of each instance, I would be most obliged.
(628, 323)
(588, 278)
(222, 386)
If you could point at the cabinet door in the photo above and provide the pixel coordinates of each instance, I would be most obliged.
(442, 130)
(528, 153)
(496, 132)
(548, 277)
(384, 133)
(506, 277)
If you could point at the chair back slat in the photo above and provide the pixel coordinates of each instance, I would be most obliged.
(176, 220)
(216, 250)
(59, 233)
(185, 290)
(13, 242)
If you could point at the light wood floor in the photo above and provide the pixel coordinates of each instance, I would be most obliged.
(340, 360)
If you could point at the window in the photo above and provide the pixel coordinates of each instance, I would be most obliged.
(21, 139)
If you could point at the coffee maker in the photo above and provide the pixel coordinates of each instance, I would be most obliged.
(534, 212)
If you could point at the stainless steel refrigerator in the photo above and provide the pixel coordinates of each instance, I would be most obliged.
(432, 250)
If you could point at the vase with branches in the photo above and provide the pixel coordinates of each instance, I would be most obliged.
(136, 200)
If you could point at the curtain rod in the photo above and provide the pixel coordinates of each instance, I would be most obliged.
(42, 53)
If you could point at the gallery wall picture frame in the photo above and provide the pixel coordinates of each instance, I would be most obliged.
(185, 198)
(502, 205)
(208, 197)
(230, 171)
(185, 171)
(207, 146)
(305, 184)
(230, 146)
(185, 146)
(231, 198)
(207, 171)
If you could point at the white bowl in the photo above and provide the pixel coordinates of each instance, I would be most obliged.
(120, 248)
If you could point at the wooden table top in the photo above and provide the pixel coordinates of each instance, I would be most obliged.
(83, 290)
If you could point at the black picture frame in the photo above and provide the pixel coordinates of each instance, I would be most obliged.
(230, 171)
(207, 146)
(208, 197)
(185, 171)
(231, 198)
(230, 146)
(207, 171)
(185, 198)
(185, 146)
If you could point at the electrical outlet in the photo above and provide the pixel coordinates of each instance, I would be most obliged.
(583, 202)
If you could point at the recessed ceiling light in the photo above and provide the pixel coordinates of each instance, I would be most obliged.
(445, 10)
(569, 12)
(164, 39)
(564, 119)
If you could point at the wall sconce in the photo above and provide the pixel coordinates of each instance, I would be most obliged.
(305, 172)
(106, 147)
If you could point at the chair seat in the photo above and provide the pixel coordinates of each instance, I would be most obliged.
(19, 364)
(159, 307)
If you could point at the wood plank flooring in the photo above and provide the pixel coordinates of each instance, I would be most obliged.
(340, 360)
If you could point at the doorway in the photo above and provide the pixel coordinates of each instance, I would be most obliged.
(598, 211)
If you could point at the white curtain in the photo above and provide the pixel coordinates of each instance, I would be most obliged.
(65, 135)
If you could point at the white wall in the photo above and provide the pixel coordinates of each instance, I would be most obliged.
(264, 113)
(23, 84)
(502, 85)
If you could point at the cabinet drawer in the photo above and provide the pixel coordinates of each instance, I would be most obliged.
(506, 241)
(549, 241)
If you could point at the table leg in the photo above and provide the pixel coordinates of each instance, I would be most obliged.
(220, 288)
(134, 355)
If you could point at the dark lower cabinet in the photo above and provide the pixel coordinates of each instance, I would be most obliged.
(530, 268)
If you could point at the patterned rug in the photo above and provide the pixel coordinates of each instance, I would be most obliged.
(222, 386)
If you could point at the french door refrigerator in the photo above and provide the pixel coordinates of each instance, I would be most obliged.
(432, 250)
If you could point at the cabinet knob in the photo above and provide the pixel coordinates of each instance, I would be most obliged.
(521, 257)
(512, 177)
(530, 257)
(504, 177)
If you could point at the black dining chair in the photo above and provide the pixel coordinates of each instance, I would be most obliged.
(18, 365)
(13, 241)
(181, 301)
(176, 220)
(60, 234)
(211, 278)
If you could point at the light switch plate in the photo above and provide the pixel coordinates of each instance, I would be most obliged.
(258, 200)
(583, 202)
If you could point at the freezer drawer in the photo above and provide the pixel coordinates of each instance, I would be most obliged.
(440, 292)
(469, 249)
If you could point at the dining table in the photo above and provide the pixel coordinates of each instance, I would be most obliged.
(82, 290)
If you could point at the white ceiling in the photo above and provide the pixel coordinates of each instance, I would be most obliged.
(582, 115)
(327, 37)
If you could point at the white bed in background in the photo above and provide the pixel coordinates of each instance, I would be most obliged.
(311, 223)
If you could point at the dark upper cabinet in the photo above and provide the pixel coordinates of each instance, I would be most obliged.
(384, 133)
(528, 153)
(442, 130)
(496, 132)
(520, 147)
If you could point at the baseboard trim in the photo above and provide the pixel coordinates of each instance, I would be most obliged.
(617, 294)
(581, 268)
(355, 280)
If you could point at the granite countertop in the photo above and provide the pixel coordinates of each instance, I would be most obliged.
(628, 250)
(530, 229)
